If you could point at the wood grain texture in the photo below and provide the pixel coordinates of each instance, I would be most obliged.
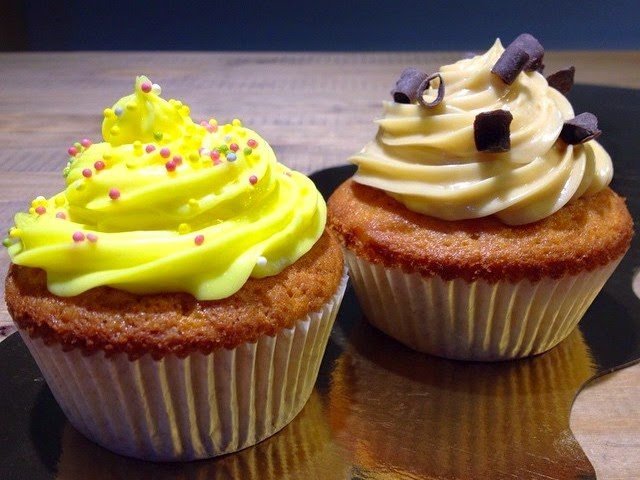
(314, 109)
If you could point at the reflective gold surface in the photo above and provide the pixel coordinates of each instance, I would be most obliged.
(405, 415)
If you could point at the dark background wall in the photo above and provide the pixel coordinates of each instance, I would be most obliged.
(314, 25)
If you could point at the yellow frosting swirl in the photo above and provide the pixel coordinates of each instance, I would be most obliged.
(427, 159)
(167, 205)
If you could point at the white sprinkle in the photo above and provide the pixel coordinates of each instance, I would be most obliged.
(118, 111)
(155, 88)
(261, 261)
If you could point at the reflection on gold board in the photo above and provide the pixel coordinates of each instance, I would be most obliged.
(302, 449)
(407, 415)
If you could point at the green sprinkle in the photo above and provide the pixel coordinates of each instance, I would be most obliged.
(157, 136)
(7, 242)
(247, 151)
(223, 148)
(66, 171)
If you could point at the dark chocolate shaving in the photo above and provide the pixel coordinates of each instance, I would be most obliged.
(510, 64)
(562, 80)
(524, 53)
(534, 49)
(406, 89)
(425, 85)
(580, 129)
(491, 131)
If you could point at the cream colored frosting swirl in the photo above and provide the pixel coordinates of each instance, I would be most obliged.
(427, 159)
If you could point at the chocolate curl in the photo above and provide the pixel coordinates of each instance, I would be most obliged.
(534, 49)
(580, 129)
(524, 53)
(425, 85)
(510, 64)
(491, 131)
(406, 89)
(562, 80)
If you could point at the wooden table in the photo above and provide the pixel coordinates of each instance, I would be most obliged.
(315, 110)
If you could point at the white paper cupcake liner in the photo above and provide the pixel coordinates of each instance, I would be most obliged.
(474, 320)
(189, 408)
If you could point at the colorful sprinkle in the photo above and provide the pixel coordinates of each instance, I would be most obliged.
(199, 239)
(158, 136)
(61, 216)
(261, 261)
(149, 148)
(157, 89)
(165, 152)
(177, 159)
(86, 173)
(234, 147)
(85, 142)
(72, 151)
(41, 210)
(146, 87)
(92, 237)
(252, 143)
(253, 179)
(118, 111)
(215, 155)
(7, 242)
(247, 151)
(99, 165)
(78, 237)
(170, 166)
(231, 157)
(114, 194)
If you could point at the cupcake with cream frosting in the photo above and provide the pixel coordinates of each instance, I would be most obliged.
(479, 224)
(179, 293)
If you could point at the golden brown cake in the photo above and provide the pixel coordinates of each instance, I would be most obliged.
(179, 293)
(479, 224)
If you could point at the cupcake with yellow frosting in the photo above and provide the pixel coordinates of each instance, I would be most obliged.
(479, 224)
(179, 293)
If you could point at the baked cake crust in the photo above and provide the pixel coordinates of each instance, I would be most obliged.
(585, 234)
(113, 321)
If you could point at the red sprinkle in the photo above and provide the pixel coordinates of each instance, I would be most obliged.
(145, 87)
(87, 173)
(114, 194)
(199, 239)
(170, 166)
(213, 128)
(165, 152)
(177, 160)
(252, 143)
(234, 147)
(150, 148)
(61, 215)
(253, 179)
(41, 210)
(99, 165)
(73, 151)
(92, 237)
(78, 237)
(85, 142)
(215, 155)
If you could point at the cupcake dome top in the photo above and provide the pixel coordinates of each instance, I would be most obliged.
(487, 135)
(167, 205)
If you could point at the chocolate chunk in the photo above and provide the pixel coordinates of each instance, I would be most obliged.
(510, 63)
(562, 80)
(531, 45)
(425, 85)
(580, 129)
(406, 89)
(491, 131)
